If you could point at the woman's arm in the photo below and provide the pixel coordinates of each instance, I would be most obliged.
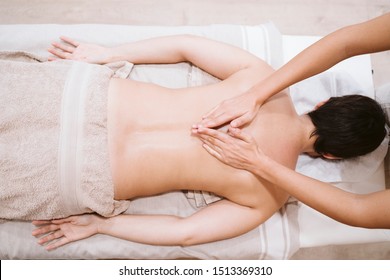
(220, 220)
(217, 58)
(367, 37)
(239, 150)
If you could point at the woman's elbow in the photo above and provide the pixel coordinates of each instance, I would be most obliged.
(190, 237)
(191, 234)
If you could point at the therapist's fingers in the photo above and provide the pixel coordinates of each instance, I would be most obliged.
(215, 119)
(238, 133)
(204, 132)
(212, 142)
(219, 115)
(212, 151)
(213, 145)
(242, 120)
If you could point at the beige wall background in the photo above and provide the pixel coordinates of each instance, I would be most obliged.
(292, 17)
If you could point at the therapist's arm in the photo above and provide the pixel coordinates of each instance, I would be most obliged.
(361, 210)
(367, 37)
(239, 150)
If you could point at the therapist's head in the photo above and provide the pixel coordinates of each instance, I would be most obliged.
(348, 126)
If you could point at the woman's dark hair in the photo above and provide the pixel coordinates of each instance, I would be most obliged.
(348, 126)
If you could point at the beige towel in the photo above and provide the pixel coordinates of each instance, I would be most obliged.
(53, 150)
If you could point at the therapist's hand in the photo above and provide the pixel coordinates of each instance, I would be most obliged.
(238, 111)
(74, 50)
(235, 148)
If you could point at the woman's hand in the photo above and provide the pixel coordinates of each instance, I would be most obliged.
(74, 50)
(235, 148)
(238, 111)
(63, 231)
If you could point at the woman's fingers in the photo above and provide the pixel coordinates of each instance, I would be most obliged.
(50, 234)
(45, 229)
(52, 58)
(58, 243)
(63, 50)
(63, 47)
(56, 221)
(41, 222)
(64, 220)
(45, 226)
(70, 41)
(59, 53)
(50, 237)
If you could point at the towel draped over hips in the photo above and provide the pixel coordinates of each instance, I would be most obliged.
(54, 159)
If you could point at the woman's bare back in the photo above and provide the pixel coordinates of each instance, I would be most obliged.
(152, 150)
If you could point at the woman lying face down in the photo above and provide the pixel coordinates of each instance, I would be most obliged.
(152, 148)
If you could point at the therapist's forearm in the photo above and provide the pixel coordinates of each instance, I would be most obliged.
(323, 197)
(367, 37)
(369, 210)
(315, 59)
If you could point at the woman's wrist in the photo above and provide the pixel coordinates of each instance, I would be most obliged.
(100, 224)
(112, 55)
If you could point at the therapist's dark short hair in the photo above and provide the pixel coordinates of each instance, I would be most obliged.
(348, 126)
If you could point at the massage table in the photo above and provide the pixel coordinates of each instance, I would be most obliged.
(295, 226)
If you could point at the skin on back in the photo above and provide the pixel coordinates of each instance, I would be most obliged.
(152, 149)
